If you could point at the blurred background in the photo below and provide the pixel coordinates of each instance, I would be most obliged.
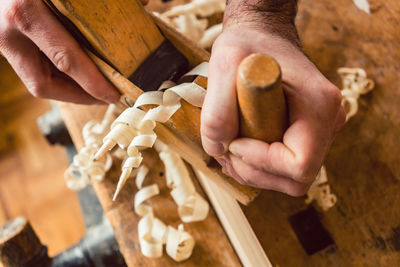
(31, 170)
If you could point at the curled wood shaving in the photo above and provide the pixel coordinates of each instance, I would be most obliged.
(189, 20)
(203, 8)
(320, 191)
(180, 244)
(142, 171)
(192, 206)
(363, 5)
(355, 83)
(134, 131)
(210, 35)
(152, 234)
(134, 127)
(190, 26)
(141, 196)
(84, 168)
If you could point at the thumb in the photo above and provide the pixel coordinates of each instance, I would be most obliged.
(219, 116)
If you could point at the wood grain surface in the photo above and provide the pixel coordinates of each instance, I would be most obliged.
(31, 170)
(99, 29)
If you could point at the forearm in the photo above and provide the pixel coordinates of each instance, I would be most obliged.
(275, 16)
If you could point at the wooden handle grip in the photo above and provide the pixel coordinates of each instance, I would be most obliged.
(262, 104)
(20, 246)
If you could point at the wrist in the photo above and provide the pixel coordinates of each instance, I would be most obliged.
(276, 17)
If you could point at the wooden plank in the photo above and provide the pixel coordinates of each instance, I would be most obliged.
(212, 246)
(235, 223)
(363, 165)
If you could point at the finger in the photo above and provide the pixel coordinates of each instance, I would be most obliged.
(39, 75)
(305, 142)
(298, 157)
(257, 178)
(226, 165)
(63, 51)
(219, 119)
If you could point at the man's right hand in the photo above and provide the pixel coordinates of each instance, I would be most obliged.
(47, 58)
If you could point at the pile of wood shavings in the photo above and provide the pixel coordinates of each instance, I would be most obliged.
(133, 131)
(84, 168)
(190, 20)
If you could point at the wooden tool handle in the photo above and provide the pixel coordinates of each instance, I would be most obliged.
(20, 246)
(262, 104)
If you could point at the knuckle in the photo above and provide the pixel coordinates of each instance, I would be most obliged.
(211, 124)
(3, 41)
(302, 171)
(39, 85)
(297, 190)
(38, 89)
(62, 59)
(334, 96)
(18, 14)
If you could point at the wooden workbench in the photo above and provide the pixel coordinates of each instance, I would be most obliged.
(363, 165)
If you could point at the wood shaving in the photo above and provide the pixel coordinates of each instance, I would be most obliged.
(320, 191)
(189, 20)
(180, 244)
(133, 131)
(83, 167)
(192, 206)
(190, 26)
(203, 8)
(363, 5)
(141, 196)
(152, 233)
(134, 128)
(143, 170)
(210, 35)
(355, 83)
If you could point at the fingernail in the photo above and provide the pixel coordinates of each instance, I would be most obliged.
(215, 147)
(222, 162)
(235, 149)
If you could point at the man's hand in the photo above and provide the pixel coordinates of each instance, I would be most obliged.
(315, 112)
(47, 58)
